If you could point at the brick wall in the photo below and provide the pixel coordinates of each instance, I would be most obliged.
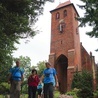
(66, 52)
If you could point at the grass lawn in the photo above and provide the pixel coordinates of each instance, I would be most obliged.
(56, 94)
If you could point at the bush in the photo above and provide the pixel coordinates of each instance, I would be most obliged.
(96, 94)
(73, 93)
(4, 88)
(84, 82)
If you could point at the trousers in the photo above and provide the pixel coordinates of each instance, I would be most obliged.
(15, 89)
(48, 90)
(32, 91)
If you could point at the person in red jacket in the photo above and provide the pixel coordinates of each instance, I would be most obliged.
(33, 81)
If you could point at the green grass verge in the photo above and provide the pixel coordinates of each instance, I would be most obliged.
(56, 94)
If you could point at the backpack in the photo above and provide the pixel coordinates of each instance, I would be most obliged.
(13, 73)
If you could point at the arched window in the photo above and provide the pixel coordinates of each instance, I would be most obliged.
(57, 15)
(65, 13)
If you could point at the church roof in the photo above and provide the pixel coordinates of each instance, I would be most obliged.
(63, 4)
(67, 3)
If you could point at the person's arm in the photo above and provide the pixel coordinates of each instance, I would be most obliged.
(28, 80)
(56, 81)
(22, 74)
(22, 77)
(9, 78)
(42, 77)
(37, 79)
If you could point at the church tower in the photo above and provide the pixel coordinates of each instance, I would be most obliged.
(65, 53)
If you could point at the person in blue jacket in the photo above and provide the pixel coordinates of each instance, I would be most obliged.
(16, 76)
(48, 77)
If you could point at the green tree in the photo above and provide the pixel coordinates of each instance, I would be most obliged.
(76, 80)
(40, 67)
(18, 16)
(17, 20)
(90, 17)
(4, 69)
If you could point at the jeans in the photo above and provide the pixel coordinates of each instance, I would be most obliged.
(32, 91)
(48, 90)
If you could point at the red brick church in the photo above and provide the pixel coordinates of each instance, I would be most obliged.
(67, 54)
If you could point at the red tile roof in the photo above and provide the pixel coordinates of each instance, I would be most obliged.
(63, 4)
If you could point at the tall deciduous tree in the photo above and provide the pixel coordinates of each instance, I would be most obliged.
(17, 18)
(90, 16)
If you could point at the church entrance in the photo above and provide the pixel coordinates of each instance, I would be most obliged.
(61, 67)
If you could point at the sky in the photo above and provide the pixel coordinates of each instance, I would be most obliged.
(38, 48)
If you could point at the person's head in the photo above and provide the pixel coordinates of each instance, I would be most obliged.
(34, 71)
(48, 65)
(17, 63)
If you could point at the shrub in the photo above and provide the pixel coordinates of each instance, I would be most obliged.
(84, 82)
(4, 88)
(96, 94)
(73, 93)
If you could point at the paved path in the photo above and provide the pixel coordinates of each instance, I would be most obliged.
(65, 96)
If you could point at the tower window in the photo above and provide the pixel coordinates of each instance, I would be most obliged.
(57, 15)
(65, 13)
(61, 27)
